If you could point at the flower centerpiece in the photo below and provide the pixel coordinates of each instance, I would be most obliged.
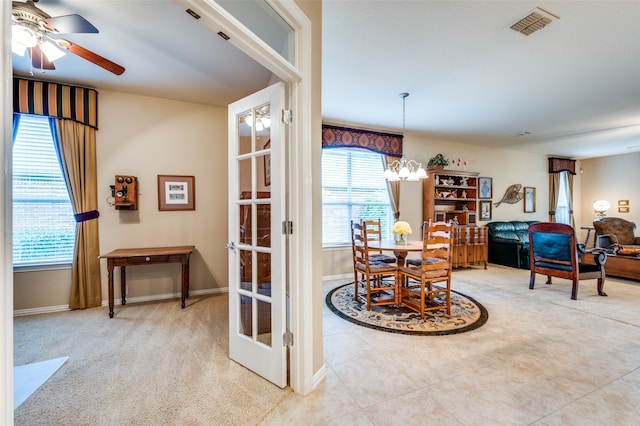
(437, 162)
(402, 230)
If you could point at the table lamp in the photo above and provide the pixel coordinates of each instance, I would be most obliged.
(601, 207)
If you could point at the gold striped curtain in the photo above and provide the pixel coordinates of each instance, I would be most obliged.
(76, 113)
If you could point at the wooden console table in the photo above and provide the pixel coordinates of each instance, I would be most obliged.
(146, 256)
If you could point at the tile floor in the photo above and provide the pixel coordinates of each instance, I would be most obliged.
(541, 359)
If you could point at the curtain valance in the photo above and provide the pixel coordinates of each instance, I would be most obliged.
(557, 165)
(56, 100)
(344, 137)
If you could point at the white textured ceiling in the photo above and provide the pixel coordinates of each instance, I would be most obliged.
(573, 85)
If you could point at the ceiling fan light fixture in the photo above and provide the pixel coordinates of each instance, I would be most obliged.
(18, 49)
(262, 122)
(51, 51)
(24, 36)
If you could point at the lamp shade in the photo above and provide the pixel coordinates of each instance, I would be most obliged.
(601, 206)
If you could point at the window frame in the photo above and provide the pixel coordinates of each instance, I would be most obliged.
(41, 264)
(350, 205)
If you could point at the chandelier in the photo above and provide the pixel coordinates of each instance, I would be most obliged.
(404, 169)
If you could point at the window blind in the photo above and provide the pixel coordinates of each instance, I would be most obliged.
(352, 189)
(43, 223)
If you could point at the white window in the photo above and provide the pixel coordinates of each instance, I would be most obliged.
(563, 206)
(352, 189)
(43, 224)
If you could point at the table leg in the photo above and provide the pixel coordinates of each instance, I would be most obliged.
(400, 256)
(185, 278)
(110, 286)
(187, 275)
(123, 285)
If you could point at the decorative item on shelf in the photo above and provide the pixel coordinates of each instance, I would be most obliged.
(464, 181)
(437, 162)
(601, 207)
(464, 195)
(453, 194)
(401, 230)
(402, 169)
(450, 182)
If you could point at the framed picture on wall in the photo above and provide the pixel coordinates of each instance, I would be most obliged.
(529, 199)
(176, 192)
(485, 187)
(485, 210)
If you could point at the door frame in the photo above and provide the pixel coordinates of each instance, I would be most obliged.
(304, 279)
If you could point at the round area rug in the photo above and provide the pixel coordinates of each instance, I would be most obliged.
(466, 314)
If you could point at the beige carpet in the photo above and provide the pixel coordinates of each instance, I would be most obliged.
(152, 364)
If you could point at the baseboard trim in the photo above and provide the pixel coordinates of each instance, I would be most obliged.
(62, 308)
(319, 377)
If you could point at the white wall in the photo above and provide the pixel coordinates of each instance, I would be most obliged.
(611, 178)
(145, 137)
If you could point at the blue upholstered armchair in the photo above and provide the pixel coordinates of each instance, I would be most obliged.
(553, 252)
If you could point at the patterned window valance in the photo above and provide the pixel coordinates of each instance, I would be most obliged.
(557, 165)
(343, 137)
(56, 100)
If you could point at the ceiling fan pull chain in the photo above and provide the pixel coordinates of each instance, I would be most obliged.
(31, 62)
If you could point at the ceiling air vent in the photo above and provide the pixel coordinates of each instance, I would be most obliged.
(534, 21)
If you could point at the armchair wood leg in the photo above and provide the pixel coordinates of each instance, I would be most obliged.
(601, 287)
(574, 289)
(532, 280)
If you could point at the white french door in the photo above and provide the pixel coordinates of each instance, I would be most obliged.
(257, 244)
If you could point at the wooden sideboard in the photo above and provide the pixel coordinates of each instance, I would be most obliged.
(470, 246)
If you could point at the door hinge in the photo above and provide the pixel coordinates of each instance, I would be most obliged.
(287, 338)
(287, 227)
(287, 116)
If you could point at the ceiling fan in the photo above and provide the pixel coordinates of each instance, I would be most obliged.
(33, 29)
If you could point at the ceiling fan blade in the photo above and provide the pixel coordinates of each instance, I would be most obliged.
(68, 24)
(89, 56)
(39, 59)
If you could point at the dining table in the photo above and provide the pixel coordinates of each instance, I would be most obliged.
(399, 249)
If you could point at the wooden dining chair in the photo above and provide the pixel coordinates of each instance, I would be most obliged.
(378, 278)
(374, 233)
(418, 283)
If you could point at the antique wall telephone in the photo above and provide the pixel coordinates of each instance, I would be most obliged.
(125, 192)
